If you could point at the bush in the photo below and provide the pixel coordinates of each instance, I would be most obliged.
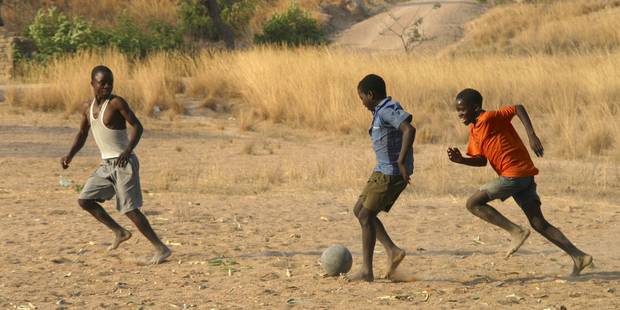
(53, 33)
(195, 20)
(294, 27)
(130, 39)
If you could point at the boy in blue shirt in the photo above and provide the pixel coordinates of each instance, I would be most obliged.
(392, 138)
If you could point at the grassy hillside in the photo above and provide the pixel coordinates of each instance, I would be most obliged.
(549, 27)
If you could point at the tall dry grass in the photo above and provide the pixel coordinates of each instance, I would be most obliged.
(317, 88)
(64, 84)
(574, 99)
(549, 27)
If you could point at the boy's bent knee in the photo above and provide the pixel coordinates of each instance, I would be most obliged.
(472, 204)
(135, 213)
(366, 217)
(476, 200)
(539, 224)
(86, 204)
(358, 207)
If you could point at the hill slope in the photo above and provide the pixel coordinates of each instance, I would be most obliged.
(441, 26)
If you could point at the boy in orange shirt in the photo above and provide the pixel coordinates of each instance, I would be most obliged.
(493, 138)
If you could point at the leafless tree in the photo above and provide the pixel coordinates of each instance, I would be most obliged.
(410, 34)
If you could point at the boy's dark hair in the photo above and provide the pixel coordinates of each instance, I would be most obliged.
(100, 68)
(374, 83)
(470, 96)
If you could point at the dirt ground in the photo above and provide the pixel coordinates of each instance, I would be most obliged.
(244, 237)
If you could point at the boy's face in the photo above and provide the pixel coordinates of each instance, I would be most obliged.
(367, 99)
(465, 111)
(103, 83)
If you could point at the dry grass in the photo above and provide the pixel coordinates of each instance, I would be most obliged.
(549, 27)
(573, 97)
(63, 84)
(321, 93)
(316, 88)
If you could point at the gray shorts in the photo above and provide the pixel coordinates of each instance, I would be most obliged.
(109, 180)
(522, 190)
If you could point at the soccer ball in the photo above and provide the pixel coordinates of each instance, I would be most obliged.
(336, 260)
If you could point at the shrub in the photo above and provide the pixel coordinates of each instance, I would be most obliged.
(195, 20)
(130, 39)
(53, 33)
(294, 27)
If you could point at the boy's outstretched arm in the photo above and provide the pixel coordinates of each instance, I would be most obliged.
(535, 143)
(454, 154)
(408, 138)
(79, 140)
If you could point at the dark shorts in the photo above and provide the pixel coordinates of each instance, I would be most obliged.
(521, 189)
(381, 191)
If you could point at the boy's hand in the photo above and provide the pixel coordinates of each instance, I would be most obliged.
(403, 172)
(123, 159)
(536, 145)
(454, 154)
(65, 161)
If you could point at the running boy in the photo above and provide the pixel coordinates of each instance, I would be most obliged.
(118, 175)
(492, 138)
(392, 138)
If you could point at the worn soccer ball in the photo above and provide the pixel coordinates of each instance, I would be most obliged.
(336, 260)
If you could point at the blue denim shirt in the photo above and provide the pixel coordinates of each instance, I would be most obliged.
(387, 138)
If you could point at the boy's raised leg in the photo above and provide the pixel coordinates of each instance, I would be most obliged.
(534, 214)
(161, 250)
(92, 207)
(477, 205)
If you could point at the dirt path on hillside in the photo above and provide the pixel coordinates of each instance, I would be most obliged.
(442, 26)
(246, 239)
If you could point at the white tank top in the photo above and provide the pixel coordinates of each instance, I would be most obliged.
(111, 142)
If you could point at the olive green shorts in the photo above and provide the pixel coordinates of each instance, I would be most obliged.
(381, 191)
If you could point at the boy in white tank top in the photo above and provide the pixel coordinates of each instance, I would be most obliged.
(118, 174)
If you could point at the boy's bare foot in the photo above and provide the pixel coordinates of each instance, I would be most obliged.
(517, 241)
(160, 256)
(581, 262)
(360, 276)
(121, 237)
(394, 260)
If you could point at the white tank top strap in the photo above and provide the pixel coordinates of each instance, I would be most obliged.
(102, 111)
(91, 118)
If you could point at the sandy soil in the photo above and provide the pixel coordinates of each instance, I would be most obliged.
(270, 238)
(442, 27)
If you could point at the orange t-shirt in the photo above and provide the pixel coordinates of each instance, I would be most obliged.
(494, 137)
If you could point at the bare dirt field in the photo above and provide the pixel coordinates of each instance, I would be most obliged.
(247, 214)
